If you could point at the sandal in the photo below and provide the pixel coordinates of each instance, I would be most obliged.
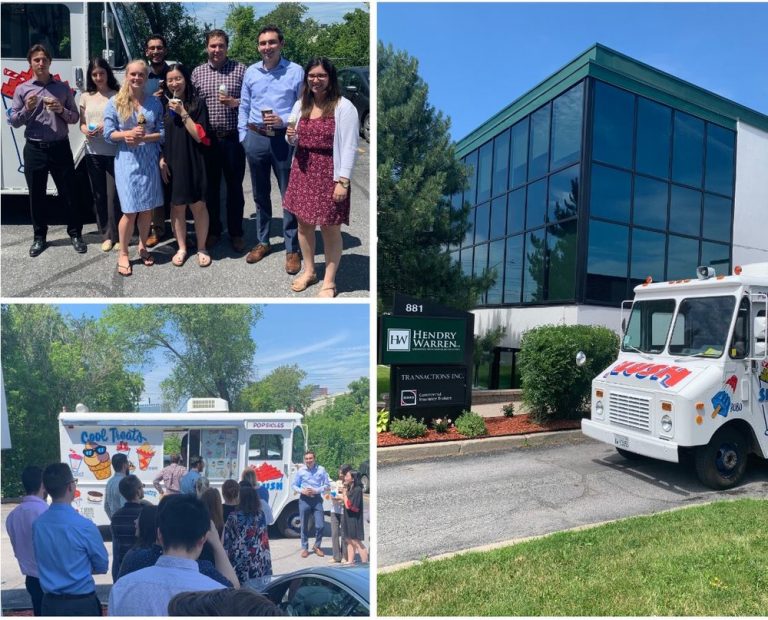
(146, 258)
(303, 282)
(203, 258)
(331, 293)
(124, 270)
(179, 258)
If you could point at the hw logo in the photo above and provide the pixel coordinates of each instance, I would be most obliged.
(398, 340)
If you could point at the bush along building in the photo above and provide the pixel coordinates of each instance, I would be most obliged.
(605, 173)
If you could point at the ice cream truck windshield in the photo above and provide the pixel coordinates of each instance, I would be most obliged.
(700, 327)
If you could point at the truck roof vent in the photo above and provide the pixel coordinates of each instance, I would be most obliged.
(198, 405)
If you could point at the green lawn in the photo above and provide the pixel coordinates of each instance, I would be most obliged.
(382, 380)
(702, 561)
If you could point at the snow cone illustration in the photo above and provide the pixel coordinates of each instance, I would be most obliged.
(97, 459)
(75, 460)
(145, 453)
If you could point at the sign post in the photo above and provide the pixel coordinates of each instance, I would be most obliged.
(429, 350)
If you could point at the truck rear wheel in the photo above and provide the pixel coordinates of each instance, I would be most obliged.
(289, 521)
(722, 462)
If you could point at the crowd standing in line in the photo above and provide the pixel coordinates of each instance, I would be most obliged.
(163, 141)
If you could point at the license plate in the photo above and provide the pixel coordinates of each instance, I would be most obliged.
(621, 441)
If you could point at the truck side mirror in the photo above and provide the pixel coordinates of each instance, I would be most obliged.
(759, 330)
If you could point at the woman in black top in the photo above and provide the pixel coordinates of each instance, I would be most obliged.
(352, 521)
(182, 163)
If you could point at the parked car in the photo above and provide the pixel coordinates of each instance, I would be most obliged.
(354, 84)
(365, 476)
(319, 591)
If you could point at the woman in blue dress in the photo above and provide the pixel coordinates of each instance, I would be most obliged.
(134, 121)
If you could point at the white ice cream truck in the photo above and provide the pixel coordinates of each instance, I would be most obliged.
(691, 380)
(73, 32)
(273, 444)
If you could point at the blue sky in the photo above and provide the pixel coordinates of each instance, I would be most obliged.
(323, 12)
(477, 58)
(330, 342)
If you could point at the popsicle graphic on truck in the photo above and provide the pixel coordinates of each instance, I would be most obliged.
(722, 400)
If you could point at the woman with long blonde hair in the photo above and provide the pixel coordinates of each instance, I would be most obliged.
(134, 121)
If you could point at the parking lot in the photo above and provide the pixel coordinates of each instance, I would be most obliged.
(60, 272)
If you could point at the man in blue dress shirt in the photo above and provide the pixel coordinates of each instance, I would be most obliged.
(68, 549)
(188, 480)
(310, 483)
(270, 88)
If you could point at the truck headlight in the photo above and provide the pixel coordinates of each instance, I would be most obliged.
(599, 408)
(666, 424)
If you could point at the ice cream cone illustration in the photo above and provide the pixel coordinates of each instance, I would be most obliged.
(764, 373)
(145, 453)
(97, 459)
(75, 460)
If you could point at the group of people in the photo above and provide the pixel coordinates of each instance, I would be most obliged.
(194, 541)
(167, 136)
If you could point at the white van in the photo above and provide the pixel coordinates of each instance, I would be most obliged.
(692, 375)
(273, 444)
(73, 32)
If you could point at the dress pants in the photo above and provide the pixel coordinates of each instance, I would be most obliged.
(310, 507)
(266, 154)
(101, 173)
(40, 158)
(225, 158)
(35, 593)
(64, 605)
(338, 539)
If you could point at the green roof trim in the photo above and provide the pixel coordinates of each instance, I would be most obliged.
(609, 66)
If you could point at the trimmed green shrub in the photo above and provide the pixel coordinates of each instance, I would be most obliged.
(508, 410)
(408, 428)
(470, 424)
(554, 387)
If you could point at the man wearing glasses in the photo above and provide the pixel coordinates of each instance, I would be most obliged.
(68, 549)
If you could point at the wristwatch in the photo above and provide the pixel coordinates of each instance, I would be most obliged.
(344, 184)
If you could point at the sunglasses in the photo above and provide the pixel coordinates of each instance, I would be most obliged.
(97, 450)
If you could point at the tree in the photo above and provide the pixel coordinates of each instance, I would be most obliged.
(280, 389)
(185, 37)
(51, 363)
(208, 346)
(417, 173)
(340, 432)
(346, 43)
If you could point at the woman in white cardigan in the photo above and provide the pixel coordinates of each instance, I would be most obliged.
(324, 127)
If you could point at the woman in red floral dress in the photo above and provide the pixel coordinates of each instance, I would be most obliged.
(325, 128)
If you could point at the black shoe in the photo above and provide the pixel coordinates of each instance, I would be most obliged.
(79, 245)
(37, 247)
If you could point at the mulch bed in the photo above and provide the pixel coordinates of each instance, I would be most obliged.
(497, 427)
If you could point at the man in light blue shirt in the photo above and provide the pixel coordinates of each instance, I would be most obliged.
(310, 483)
(68, 549)
(270, 88)
(183, 526)
(196, 467)
(113, 500)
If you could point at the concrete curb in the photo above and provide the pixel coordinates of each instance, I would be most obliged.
(424, 451)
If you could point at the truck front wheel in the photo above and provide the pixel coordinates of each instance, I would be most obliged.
(289, 521)
(722, 462)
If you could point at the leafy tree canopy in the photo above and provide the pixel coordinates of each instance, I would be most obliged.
(418, 172)
(50, 363)
(340, 432)
(280, 389)
(185, 37)
(346, 43)
(208, 346)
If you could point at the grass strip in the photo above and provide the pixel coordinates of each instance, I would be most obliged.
(707, 560)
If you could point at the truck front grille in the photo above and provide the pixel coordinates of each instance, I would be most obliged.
(629, 411)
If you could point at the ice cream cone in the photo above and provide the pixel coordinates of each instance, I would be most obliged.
(102, 471)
